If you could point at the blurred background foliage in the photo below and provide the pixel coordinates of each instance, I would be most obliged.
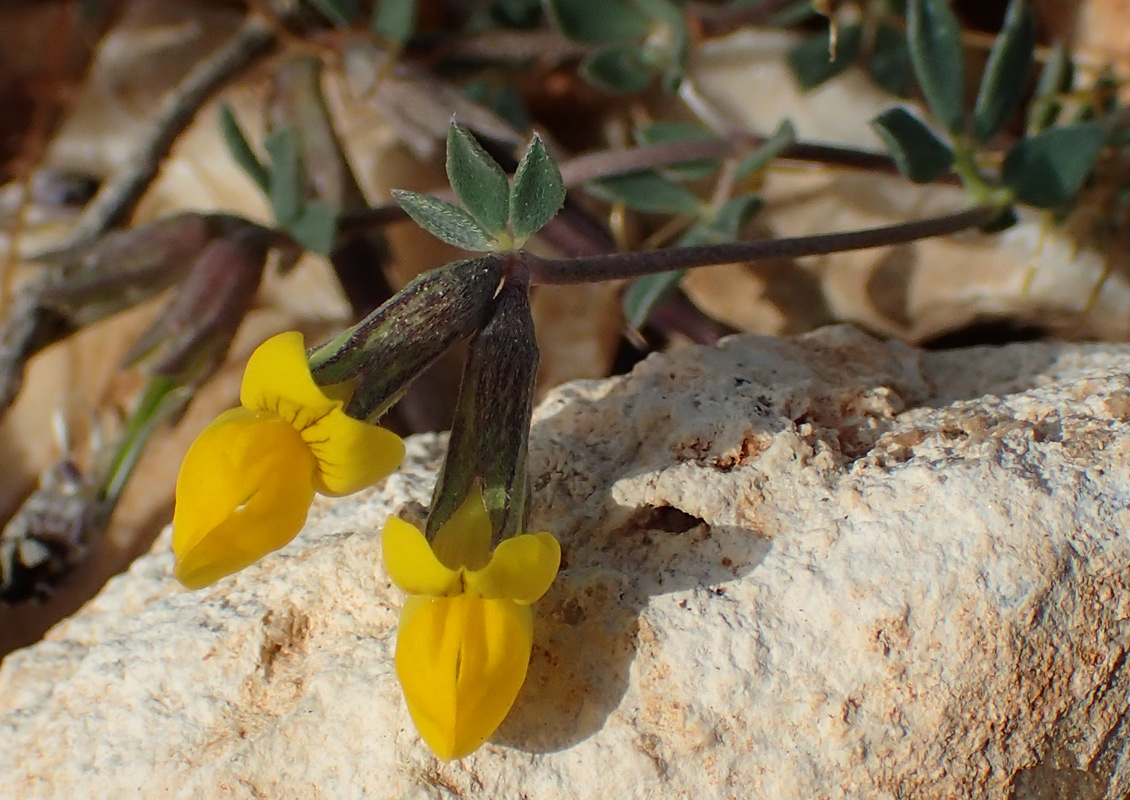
(178, 181)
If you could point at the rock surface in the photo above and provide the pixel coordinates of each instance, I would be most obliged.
(820, 567)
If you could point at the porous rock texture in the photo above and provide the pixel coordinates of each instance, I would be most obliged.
(825, 567)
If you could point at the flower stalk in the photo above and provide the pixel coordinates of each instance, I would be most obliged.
(633, 265)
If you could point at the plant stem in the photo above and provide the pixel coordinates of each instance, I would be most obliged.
(634, 265)
(161, 400)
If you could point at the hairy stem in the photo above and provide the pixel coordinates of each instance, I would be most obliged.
(634, 265)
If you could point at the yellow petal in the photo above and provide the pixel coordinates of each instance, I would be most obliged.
(521, 569)
(278, 379)
(243, 490)
(351, 454)
(464, 540)
(461, 661)
(411, 563)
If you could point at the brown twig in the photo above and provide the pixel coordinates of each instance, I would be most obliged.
(119, 195)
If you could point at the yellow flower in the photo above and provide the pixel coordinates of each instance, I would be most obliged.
(466, 630)
(247, 481)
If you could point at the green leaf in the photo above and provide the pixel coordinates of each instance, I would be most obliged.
(599, 21)
(644, 294)
(286, 175)
(918, 153)
(782, 138)
(734, 216)
(341, 13)
(1006, 73)
(538, 191)
(665, 131)
(444, 221)
(934, 38)
(240, 149)
(811, 59)
(889, 64)
(1047, 169)
(620, 69)
(1056, 77)
(478, 181)
(648, 192)
(315, 228)
(394, 19)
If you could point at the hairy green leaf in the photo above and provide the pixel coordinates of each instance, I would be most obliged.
(811, 60)
(620, 69)
(648, 192)
(1006, 73)
(934, 37)
(394, 19)
(599, 21)
(444, 221)
(1046, 170)
(918, 153)
(240, 149)
(538, 191)
(478, 181)
(782, 138)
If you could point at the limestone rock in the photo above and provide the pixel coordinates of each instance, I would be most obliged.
(820, 567)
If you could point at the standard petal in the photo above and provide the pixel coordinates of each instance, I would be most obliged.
(411, 563)
(277, 378)
(521, 569)
(464, 540)
(461, 661)
(351, 454)
(244, 490)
